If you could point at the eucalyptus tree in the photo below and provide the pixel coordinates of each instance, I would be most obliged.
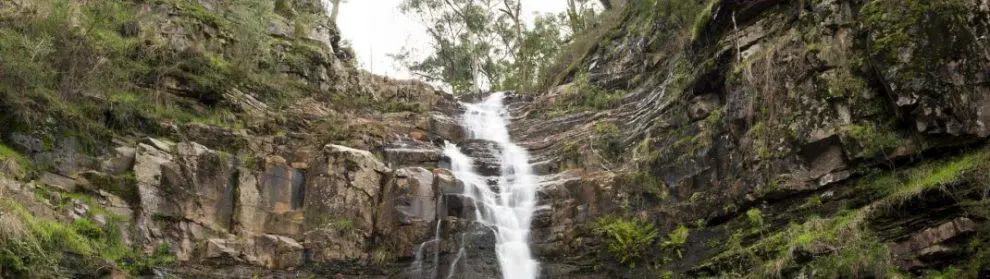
(481, 44)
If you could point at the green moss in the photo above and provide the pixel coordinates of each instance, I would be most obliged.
(843, 83)
(844, 244)
(644, 182)
(896, 24)
(609, 140)
(872, 140)
(755, 218)
(839, 246)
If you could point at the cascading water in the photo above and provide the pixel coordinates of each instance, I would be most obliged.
(508, 208)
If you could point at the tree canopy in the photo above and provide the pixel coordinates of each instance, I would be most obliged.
(487, 45)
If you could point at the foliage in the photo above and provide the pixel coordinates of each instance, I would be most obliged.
(37, 246)
(9, 153)
(703, 19)
(874, 141)
(485, 44)
(895, 23)
(627, 240)
(583, 95)
(90, 68)
(755, 217)
(845, 244)
(144, 265)
(609, 140)
(40, 247)
(674, 245)
(897, 187)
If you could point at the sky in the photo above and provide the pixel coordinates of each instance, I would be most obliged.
(376, 28)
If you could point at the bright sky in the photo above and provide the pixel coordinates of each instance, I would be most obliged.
(376, 28)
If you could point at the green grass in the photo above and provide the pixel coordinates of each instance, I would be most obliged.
(843, 244)
(702, 19)
(33, 246)
(895, 188)
(7, 153)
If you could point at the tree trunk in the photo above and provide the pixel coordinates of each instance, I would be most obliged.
(514, 11)
(573, 16)
(336, 9)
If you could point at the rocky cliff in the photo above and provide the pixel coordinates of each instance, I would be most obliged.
(761, 138)
(770, 139)
(202, 139)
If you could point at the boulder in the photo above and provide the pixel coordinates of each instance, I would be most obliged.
(205, 189)
(444, 128)
(930, 243)
(415, 195)
(58, 181)
(412, 156)
(343, 189)
(121, 160)
(278, 252)
(250, 211)
(407, 215)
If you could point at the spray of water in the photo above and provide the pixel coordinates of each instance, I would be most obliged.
(508, 208)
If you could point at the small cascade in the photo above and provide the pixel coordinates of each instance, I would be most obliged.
(505, 206)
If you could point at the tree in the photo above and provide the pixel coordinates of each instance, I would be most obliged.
(580, 14)
(482, 44)
(335, 10)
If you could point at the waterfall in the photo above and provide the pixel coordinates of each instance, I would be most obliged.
(509, 208)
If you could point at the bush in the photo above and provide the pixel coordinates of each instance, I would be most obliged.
(627, 240)
(36, 247)
(676, 240)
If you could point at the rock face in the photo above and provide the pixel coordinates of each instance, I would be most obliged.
(778, 111)
(345, 179)
(343, 206)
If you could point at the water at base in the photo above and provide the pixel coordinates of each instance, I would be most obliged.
(509, 208)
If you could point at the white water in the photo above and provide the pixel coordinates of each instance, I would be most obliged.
(509, 210)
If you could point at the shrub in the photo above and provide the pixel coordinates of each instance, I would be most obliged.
(627, 240)
(675, 242)
(755, 218)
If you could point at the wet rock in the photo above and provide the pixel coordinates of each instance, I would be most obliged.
(445, 128)
(281, 186)
(416, 196)
(487, 159)
(702, 106)
(412, 156)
